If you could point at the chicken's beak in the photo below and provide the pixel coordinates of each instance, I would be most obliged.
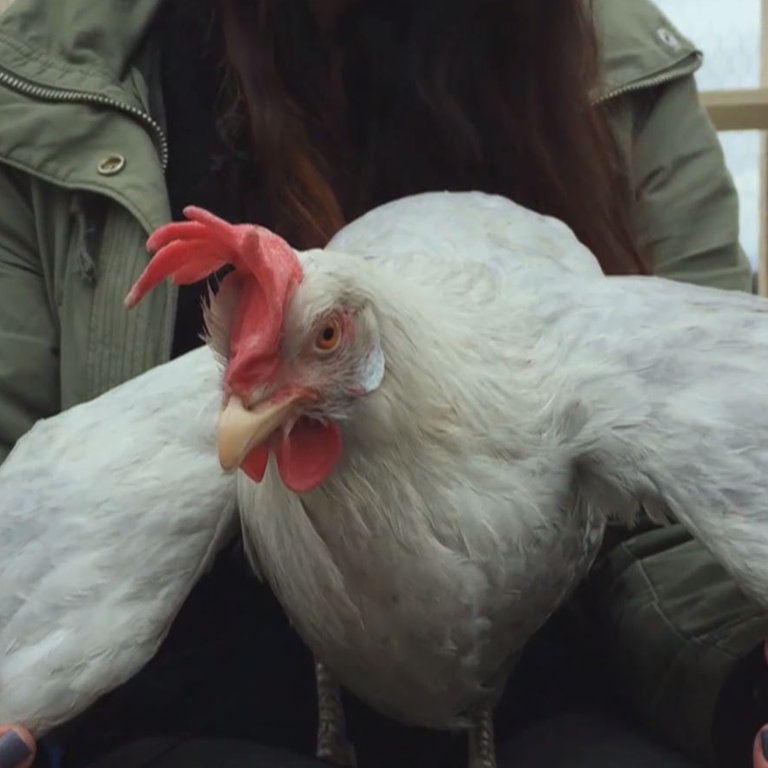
(242, 429)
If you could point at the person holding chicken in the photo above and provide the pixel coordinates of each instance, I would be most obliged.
(302, 116)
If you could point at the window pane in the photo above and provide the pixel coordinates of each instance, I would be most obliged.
(742, 154)
(729, 35)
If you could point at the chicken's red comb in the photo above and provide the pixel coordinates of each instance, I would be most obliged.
(189, 251)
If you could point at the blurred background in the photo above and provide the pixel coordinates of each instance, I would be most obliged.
(734, 82)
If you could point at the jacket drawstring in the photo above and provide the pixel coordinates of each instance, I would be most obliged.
(85, 207)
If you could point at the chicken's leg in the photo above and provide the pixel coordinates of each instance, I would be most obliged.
(482, 751)
(332, 743)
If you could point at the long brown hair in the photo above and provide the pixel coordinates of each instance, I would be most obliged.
(491, 95)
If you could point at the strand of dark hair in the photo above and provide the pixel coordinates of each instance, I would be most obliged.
(491, 95)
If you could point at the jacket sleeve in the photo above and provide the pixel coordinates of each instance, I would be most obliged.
(674, 629)
(685, 205)
(29, 368)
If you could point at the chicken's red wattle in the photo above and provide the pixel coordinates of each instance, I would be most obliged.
(268, 272)
(305, 457)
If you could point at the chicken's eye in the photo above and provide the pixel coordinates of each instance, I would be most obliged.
(329, 335)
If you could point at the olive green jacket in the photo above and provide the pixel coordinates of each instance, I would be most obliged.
(82, 158)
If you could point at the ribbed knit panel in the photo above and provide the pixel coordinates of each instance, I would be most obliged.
(124, 343)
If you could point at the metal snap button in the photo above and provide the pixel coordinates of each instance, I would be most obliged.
(111, 164)
(669, 38)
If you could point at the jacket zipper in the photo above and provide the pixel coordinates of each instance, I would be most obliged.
(650, 82)
(59, 94)
(53, 94)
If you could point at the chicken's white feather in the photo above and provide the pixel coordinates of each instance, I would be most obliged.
(109, 513)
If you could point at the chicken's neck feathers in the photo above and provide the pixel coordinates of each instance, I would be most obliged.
(457, 388)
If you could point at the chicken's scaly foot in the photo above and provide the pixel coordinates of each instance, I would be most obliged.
(482, 751)
(332, 743)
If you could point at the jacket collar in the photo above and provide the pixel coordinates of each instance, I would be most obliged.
(76, 89)
(74, 44)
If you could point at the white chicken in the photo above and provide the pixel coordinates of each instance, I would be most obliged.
(457, 400)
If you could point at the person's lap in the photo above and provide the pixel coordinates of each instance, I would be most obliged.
(573, 740)
(233, 678)
(585, 740)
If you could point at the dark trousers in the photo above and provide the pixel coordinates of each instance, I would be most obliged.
(233, 683)
(576, 740)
